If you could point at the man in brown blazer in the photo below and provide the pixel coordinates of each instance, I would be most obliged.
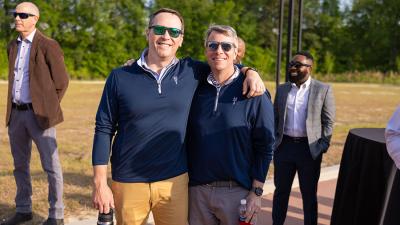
(37, 81)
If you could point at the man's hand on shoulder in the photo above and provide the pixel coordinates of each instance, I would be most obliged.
(129, 62)
(253, 85)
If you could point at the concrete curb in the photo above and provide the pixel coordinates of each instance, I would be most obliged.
(327, 173)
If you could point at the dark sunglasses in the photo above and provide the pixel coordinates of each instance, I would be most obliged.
(297, 64)
(160, 30)
(226, 46)
(22, 15)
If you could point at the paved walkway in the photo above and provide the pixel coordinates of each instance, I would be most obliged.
(326, 192)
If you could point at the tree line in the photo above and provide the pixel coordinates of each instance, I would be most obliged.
(98, 35)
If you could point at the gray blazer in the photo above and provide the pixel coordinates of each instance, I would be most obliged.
(320, 115)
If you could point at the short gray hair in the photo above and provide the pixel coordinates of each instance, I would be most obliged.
(222, 29)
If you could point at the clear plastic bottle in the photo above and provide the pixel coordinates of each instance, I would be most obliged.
(242, 212)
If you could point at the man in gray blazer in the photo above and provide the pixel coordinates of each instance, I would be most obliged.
(304, 115)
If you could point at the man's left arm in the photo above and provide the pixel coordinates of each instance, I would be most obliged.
(56, 65)
(263, 139)
(327, 119)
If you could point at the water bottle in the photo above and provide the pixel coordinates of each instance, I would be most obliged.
(242, 212)
(106, 218)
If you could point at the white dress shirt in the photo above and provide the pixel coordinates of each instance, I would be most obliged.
(296, 110)
(21, 91)
(392, 135)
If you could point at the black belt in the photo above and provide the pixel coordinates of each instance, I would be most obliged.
(22, 107)
(295, 139)
(229, 184)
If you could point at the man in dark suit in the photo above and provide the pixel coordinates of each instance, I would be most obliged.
(304, 116)
(37, 81)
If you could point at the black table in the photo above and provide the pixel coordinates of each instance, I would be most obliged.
(362, 184)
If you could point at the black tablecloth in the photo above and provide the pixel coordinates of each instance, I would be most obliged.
(362, 182)
(392, 216)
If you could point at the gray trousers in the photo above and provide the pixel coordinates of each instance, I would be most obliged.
(215, 205)
(22, 129)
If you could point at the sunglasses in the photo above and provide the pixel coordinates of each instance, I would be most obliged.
(226, 46)
(298, 65)
(160, 30)
(22, 15)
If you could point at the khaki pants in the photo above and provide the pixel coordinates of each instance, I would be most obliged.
(167, 199)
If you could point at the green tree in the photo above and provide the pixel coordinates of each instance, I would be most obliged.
(375, 33)
(98, 35)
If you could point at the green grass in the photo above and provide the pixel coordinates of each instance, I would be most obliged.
(358, 105)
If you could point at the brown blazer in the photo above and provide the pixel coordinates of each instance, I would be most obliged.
(48, 79)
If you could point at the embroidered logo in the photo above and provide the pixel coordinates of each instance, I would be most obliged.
(234, 100)
(175, 79)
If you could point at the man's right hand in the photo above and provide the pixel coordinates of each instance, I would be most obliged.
(102, 196)
(129, 62)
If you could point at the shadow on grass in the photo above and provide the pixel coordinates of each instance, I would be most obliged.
(8, 210)
(83, 199)
(6, 173)
(70, 178)
(77, 179)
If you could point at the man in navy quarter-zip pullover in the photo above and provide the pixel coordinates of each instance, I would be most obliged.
(230, 139)
(146, 106)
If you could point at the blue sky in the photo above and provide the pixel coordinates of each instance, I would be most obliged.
(344, 3)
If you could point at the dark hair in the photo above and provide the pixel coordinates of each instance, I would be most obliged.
(166, 10)
(306, 54)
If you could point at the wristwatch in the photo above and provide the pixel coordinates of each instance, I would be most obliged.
(250, 68)
(257, 190)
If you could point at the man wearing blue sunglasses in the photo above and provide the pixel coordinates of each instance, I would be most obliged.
(229, 137)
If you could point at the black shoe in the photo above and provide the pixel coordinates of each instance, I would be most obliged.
(18, 218)
(52, 221)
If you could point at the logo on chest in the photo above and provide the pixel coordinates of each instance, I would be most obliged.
(175, 78)
(234, 100)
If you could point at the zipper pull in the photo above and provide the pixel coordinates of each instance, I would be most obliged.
(159, 87)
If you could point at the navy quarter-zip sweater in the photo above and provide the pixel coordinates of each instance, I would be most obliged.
(148, 121)
(229, 136)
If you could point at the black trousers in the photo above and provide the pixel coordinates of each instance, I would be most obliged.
(291, 156)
